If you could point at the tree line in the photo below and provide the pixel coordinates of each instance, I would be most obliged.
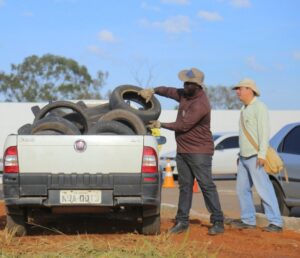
(51, 77)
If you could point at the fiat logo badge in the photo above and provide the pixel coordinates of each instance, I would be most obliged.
(80, 145)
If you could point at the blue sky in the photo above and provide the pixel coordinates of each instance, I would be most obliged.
(147, 43)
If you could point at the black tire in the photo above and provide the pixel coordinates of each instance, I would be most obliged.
(126, 117)
(35, 110)
(110, 127)
(81, 104)
(25, 129)
(95, 113)
(97, 110)
(57, 124)
(284, 209)
(150, 225)
(48, 132)
(55, 107)
(16, 223)
(76, 119)
(124, 93)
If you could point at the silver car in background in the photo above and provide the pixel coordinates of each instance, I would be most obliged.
(287, 143)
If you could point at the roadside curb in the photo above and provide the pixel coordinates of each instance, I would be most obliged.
(289, 223)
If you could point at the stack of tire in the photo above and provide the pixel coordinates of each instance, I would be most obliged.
(126, 113)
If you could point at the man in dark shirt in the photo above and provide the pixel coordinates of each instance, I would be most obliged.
(195, 147)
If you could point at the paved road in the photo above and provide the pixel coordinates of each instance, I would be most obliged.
(228, 199)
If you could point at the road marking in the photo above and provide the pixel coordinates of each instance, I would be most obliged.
(230, 192)
(192, 212)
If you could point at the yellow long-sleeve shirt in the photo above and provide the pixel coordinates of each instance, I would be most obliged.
(256, 121)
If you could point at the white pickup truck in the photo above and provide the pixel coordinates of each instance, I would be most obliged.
(58, 173)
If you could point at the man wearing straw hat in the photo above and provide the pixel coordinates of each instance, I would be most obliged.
(254, 126)
(195, 147)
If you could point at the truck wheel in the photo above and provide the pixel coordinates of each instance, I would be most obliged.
(122, 96)
(115, 127)
(57, 124)
(55, 108)
(16, 224)
(126, 117)
(151, 225)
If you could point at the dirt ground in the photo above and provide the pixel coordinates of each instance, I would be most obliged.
(233, 243)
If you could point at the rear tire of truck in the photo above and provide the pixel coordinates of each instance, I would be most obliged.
(129, 93)
(113, 127)
(151, 225)
(57, 124)
(16, 224)
(126, 117)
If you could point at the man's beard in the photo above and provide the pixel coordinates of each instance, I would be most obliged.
(189, 92)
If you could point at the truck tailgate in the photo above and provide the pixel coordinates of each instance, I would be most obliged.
(94, 153)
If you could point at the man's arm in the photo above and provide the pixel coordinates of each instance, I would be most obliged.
(189, 119)
(263, 131)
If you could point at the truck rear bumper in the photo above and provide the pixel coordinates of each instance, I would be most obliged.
(43, 189)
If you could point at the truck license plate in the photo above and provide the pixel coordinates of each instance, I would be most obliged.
(80, 196)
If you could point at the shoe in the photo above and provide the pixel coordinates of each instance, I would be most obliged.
(272, 228)
(217, 228)
(178, 228)
(242, 225)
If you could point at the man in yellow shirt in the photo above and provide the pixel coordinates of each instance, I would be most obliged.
(254, 116)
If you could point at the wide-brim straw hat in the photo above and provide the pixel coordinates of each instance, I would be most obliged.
(192, 75)
(249, 84)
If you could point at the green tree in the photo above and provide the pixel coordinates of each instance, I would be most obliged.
(50, 77)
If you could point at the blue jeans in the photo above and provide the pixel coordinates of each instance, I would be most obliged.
(191, 166)
(249, 175)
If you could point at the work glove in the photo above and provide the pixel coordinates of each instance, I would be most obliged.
(153, 124)
(146, 94)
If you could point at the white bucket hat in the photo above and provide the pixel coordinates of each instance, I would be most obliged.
(192, 75)
(249, 84)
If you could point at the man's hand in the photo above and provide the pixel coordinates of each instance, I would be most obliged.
(153, 124)
(146, 94)
(260, 162)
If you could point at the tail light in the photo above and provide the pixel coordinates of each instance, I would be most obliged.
(150, 163)
(10, 160)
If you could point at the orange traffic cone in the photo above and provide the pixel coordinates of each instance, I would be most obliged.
(169, 180)
(195, 187)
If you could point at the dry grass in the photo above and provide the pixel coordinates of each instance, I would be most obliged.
(128, 245)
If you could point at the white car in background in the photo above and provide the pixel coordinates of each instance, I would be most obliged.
(224, 164)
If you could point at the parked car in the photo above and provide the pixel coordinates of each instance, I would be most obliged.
(287, 143)
(224, 164)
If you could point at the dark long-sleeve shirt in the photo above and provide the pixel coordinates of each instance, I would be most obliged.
(192, 125)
